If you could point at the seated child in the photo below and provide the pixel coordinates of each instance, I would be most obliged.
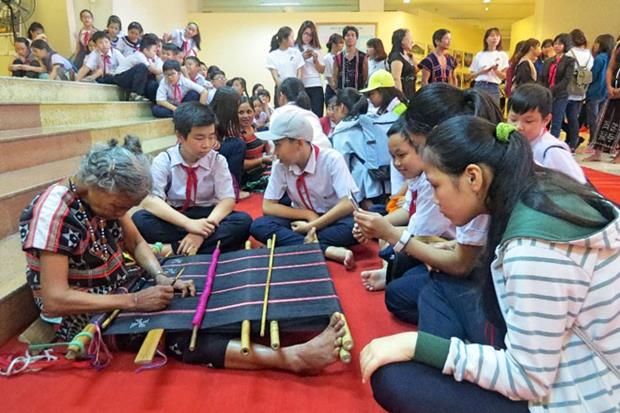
(239, 84)
(170, 51)
(192, 70)
(113, 30)
(188, 39)
(329, 121)
(25, 63)
(191, 206)
(56, 66)
(530, 111)
(257, 162)
(175, 89)
(102, 62)
(318, 183)
(130, 43)
(134, 72)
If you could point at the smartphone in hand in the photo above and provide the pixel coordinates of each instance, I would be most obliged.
(356, 206)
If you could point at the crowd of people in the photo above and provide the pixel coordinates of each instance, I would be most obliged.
(493, 242)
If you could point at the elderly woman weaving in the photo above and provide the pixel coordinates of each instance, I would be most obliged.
(74, 235)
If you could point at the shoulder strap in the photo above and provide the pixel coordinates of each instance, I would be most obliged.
(595, 349)
(169, 178)
(551, 147)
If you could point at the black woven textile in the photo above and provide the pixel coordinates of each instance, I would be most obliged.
(302, 295)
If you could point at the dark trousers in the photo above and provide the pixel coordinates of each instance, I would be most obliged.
(150, 91)
(572, 116)
(233, 231)
(558, 112)
(452, 307)
(593, 107)
(317, 99)
(233, 149)
(329, 93)
(414, 387)
(402, 294)
(106, 80)
(338, 234)
(162, 112)
(133, 80)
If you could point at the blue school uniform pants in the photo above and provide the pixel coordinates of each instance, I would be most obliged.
(162, 112)
(233, 231)
(337, 234)
(133, 80)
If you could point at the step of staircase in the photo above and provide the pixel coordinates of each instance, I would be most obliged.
(18, 115)
(18, 187)
(25, 90)
(23, 148)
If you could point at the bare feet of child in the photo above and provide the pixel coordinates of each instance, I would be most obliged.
(341, 254)
(374, 280)
(595, 157)
(313, 356)
(616, 159)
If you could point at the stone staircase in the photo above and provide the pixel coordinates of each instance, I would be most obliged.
(45, 128)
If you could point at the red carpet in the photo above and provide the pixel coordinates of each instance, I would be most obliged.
(178, 387)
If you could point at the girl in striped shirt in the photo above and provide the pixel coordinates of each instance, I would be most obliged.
(549, 274)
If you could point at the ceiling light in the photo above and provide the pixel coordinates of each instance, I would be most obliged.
(486, 9)
(406, 1)
(486, 1)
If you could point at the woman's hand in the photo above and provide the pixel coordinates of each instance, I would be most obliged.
(153, 298)
(185, 287)
(386, 350)
(373, 225)
(359, 235)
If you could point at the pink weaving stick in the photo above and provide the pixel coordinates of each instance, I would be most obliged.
(204, 297)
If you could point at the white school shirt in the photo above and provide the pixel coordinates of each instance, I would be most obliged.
(165, 91)
(475, 232)
(583, 59)
(214, 179)
(94, 61)
(553, 153)
(114, 43)
(58, 60)
(327, 178)
(132, 60)
(309, 75)
(374, 65)
(126, 47)
(329, 65)
(178, 39)
(318, 137)
(427, 220)
(285, 62)
(486, 59)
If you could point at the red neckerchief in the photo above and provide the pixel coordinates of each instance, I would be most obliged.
(190, 185)
(106, 61)
(412, 204)
(86, 38)
(177, 96)
(301, 183)
(553, 70)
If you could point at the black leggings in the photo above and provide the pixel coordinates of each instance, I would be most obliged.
(317, 99)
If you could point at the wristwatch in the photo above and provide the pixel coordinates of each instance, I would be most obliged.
(403, 241)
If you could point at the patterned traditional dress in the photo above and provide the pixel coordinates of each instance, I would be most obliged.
(54, 222)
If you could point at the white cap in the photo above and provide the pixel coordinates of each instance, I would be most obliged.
(293, 125)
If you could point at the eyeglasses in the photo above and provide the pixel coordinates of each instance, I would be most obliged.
(309, 34)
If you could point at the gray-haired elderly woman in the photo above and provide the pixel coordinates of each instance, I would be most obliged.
(74, 235)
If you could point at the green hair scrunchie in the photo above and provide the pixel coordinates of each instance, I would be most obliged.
(503, 131)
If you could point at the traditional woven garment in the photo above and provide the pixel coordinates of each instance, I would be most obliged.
(301, 298)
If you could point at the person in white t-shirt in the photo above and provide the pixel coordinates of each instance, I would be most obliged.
(377, 58)
(284, 60)
(335, 44)
(188, 39)
(583, 60)
(489, 66)
(314, 65)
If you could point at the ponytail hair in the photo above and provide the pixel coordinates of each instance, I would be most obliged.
(437, 102)
(279, 37)
(294, 91)
(464, 140)
(334, 39)
(355, 102)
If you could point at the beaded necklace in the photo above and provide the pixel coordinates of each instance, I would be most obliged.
(98, 247)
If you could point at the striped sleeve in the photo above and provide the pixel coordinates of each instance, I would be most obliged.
(542, 291)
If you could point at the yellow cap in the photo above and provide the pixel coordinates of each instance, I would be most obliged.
(381, 78)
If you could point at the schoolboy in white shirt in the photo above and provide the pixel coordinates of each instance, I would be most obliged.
(175, 89)
(133, 73)
(191, 207)
(101, 62)
(317, 182)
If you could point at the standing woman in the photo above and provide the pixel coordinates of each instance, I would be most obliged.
(83, 37)
(351, 68)
(525, 70)
(577, 93)
(284, 60)
(335, 44)
(489, 66)
(608, 126)
(439, 65)
(314, 65)
(557, 73)
(401, 62)
(377, 58)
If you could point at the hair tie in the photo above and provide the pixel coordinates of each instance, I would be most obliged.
(503, 131)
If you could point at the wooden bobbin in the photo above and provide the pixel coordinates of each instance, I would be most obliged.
(149, 346)
(74, 351)
(274, 334)
(245, 337)
(345, 356)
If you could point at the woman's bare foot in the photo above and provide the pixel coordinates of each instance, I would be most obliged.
(616, 159)
(595, 157)
(313, 356)
(374, 280)
(342, 255)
